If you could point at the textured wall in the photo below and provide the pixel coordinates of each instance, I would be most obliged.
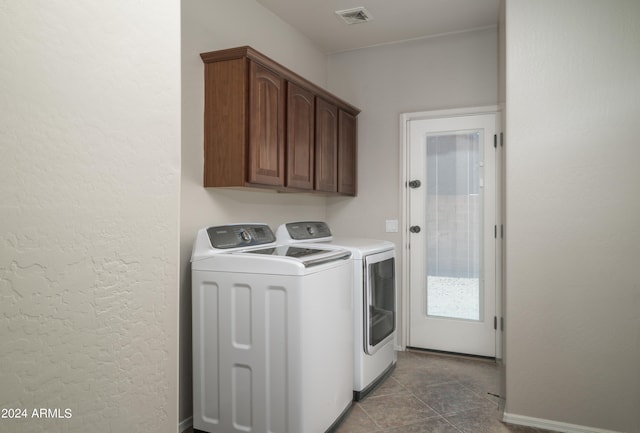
(89, 205)
(573, 200)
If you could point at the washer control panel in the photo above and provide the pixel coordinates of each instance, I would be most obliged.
(240, 235)
(306, 230)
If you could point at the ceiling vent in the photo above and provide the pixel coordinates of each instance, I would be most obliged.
(355, 15)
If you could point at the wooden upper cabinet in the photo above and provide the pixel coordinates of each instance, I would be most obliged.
(347, 153)
(300, 137)
(265, 126)
(326, 146)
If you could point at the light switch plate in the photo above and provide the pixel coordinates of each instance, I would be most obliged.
(391, 226)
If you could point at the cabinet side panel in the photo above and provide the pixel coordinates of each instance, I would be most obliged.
(326, 146)
(347, 153)
(225, 123)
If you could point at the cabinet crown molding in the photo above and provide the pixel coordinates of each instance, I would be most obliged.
(252, 54)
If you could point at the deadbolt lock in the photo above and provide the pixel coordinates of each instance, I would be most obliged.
(414, 229)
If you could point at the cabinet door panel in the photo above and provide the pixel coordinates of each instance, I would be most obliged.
(300, 137)
(347, 153)
(266, 134)
(326, 146)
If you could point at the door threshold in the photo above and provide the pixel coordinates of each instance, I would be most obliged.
(451, 354)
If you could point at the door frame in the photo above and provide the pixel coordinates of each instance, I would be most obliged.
(403, 171)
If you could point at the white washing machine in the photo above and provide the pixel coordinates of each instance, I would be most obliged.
(374, 289)
(270, 351)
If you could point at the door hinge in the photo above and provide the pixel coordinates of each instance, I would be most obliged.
(502, 323)
(495, 141)
(501, 139)
(495, 232)
(495, 322)
(501, 231)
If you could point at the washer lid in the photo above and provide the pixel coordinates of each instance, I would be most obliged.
(305, 255)
(273, 260)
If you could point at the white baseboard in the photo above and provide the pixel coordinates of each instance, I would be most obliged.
(550, 425)
(185, 424)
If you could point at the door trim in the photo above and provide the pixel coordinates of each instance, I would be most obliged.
(403, 192)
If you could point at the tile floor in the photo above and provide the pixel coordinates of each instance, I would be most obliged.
(430, 393)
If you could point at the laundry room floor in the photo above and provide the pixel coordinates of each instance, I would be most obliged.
(431, 393)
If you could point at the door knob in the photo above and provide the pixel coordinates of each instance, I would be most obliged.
(415, 184)
(414, 229)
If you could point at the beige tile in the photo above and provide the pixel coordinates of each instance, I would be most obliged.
(357, 421)
(432, 425)
(418, 379)
(480, 376)
(452, 397)
(486, 421)
(388, 387)
(396, 410)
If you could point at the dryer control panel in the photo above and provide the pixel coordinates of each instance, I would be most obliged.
(307, 230)
(240, 235)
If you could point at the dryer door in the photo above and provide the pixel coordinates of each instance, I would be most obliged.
(379, 300)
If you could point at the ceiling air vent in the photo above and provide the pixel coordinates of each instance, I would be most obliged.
(355, 15)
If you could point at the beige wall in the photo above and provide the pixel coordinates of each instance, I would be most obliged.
(209, 25)
(573, 206)
(452, 71)
(89, 199)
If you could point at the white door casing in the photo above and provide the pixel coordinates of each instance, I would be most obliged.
(429, 328)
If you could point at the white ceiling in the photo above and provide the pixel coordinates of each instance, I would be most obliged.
(393, 20)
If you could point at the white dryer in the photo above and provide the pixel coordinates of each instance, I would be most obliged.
(374, 289)
(270, 353)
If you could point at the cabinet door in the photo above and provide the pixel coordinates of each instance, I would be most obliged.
(266, 130)
(300, 137)
(326, 146)
(347, 153)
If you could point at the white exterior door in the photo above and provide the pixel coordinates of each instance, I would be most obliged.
(452, 239)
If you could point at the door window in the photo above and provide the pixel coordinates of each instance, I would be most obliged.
(453, 225)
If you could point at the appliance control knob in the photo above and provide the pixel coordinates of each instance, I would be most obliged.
(245, 235)
(311, 230)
